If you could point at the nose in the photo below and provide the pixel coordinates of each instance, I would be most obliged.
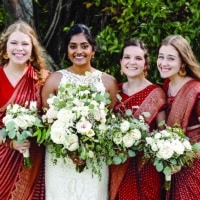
(79, 50)
(163, 62)
(132, 60)
(19, 47)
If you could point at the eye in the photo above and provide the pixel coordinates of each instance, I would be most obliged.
(85, 46)
(13, 42)
(160, 57)
(25, 43)
(139, 58)
(72, 46)
(171, 58)
(126, 57)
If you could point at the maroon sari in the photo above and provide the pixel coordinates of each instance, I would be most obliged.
(184, 110)
(130, 181)
(16, 181)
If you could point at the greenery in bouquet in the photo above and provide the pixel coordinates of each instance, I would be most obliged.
(20, 123)
(169, 150)
(76, 124)
(126, 135)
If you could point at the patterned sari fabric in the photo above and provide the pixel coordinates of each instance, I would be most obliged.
(131, 181)
(18, 182)
(184, 109)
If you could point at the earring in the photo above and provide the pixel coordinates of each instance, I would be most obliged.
(145, 72)
(5, 56)
(31, 59)
(121, 72)
(182, 72)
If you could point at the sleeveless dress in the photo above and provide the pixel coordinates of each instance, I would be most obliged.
(62, 181)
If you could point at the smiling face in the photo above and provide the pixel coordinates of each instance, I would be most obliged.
(133, 61)
(169, 61)
(80, 52)
(19, 48)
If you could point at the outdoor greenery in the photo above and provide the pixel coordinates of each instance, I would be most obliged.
(112, 22)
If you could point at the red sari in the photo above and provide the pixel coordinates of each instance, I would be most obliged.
(130, 181)
(184, 109)
(16, 181)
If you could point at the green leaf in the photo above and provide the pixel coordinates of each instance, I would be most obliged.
(159, 166)
(117, 160)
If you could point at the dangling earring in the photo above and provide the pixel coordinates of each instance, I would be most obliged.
(182, 72)
(31, 59)
(145, 72)
(121, 72)
(5, 56)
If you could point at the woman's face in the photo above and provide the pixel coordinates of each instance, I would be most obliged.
(80, 52)
(133, 61)
(19, 48)
(169, 61)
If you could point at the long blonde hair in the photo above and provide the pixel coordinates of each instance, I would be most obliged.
(185, 51)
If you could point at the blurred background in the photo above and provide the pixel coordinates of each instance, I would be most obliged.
(111, 22)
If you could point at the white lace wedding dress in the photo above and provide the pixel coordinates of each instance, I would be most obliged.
(62, 181)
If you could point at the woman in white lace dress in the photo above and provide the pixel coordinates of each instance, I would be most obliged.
(63, 182)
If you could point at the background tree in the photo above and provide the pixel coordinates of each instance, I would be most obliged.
(111, 21)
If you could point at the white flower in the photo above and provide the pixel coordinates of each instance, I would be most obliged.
(71, 142)
(149, 140)
(136, 134)
(165, 151)
(57, 132)
(187, 145)
(178, 147)
(154, 147)
(117, 138)
(20, 122)
(65, 115)
(83, 126)
(50, 115)
(165, 133)
(128, 139)
(7, 119)
(124, 126)
(157, 135)
(33, 105)
(90, 133)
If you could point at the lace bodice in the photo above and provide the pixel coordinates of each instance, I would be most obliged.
(91, 78)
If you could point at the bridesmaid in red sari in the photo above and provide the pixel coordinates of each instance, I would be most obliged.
(22, 74)
(178, 65)
(131, 180)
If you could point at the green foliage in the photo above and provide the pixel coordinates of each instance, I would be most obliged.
(148, 20)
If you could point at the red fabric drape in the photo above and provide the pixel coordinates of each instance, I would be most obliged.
(185, 184)
(16, 181)
(128, 181)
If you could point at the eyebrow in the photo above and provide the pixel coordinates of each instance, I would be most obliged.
(168, 54)
(80, 43)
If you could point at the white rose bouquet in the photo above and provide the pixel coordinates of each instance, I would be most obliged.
(169, 150)
(20, 123)
(76, 121)
(126, 134)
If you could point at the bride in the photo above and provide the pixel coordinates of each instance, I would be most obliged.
(62, 181)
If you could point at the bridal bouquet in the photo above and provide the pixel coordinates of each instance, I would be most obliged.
(20, 123)
(76, 121)
(169, 150)
(127, 134)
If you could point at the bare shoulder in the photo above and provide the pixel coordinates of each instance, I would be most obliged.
(50, 86)
(108, 80)
(53, 80)
(110, 84)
